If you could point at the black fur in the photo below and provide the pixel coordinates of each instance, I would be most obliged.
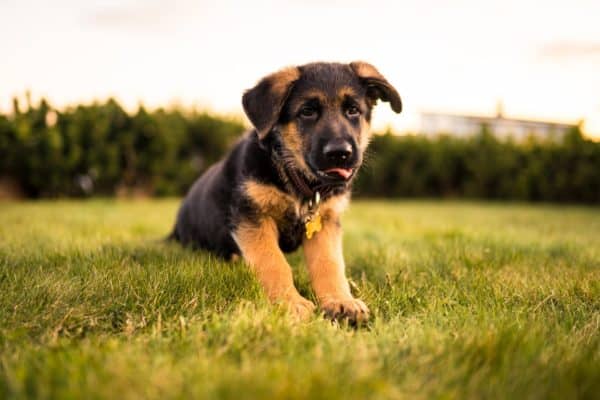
(215, 203)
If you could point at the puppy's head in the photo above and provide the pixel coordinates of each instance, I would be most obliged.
(320, 114)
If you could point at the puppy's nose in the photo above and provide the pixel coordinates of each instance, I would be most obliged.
(337, 150)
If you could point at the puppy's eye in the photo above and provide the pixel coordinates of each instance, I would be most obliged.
(352, 112)
(308, 112)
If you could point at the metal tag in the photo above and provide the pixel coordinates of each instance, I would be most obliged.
(313, 225)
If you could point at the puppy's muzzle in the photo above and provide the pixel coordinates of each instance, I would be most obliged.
(340, 158)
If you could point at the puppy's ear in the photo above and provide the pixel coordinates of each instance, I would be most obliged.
(377, 86)
(264, 102)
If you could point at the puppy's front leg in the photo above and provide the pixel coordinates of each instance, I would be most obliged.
(326, 267)
(259, 244)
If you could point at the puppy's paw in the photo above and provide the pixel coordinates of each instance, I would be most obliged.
(300, 308)
(352, 310)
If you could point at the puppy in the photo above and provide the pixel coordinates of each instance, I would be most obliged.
(286, 182)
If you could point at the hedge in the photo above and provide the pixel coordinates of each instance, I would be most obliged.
(100, 149)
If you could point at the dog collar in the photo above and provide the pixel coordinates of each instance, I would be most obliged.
(300, 184)
(312, 219)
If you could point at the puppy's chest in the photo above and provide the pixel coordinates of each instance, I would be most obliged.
(289, 214)
(300, 221)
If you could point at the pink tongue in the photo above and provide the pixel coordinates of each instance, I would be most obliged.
(344, 173)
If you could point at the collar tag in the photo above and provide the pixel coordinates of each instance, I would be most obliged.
(312, 223)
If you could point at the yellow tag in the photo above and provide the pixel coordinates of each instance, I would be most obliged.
(313, 225)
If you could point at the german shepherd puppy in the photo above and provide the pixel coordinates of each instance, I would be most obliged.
(287, 181)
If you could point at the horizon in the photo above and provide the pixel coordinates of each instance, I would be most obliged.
(458, 59)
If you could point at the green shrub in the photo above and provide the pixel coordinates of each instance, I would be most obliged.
(483, 167)
(100, 149)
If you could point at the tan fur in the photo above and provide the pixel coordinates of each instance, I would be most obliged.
(259, 245)
(315, 94)
(326, 267)
(270, 201)
(293, 142)
(324, 99)
(365, 70)
(333, 207)
(323, 253)
(282, 79)
(365, 135)
(345, 91)
(325, 263)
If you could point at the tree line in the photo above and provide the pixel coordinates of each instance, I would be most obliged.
(100, 149)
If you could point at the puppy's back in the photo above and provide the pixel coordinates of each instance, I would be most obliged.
(204, 219)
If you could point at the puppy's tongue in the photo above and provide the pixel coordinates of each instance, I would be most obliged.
(343, 172)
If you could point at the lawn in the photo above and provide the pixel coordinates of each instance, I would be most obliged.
(470, 300)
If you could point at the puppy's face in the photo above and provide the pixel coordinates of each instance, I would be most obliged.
(321, 113)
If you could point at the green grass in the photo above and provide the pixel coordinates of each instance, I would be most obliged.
(471, 300)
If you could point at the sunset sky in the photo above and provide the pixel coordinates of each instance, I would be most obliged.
(542, 59)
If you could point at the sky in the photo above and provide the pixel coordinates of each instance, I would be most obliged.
(541, 59)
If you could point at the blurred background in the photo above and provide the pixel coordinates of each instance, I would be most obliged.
(137, 98)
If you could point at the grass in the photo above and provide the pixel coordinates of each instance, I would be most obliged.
(471, 300)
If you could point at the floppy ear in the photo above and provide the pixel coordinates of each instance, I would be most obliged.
(377, 86)
(264, 102)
